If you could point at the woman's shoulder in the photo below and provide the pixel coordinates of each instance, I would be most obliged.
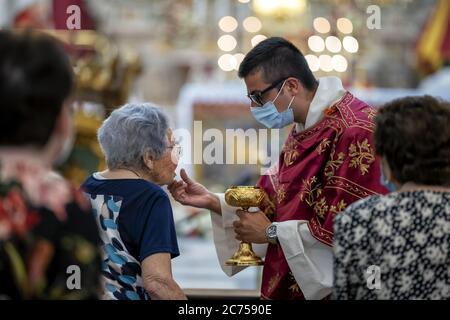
(149, 188)
(380, 205)
(365, 208)
(96, 184)
(365, 203)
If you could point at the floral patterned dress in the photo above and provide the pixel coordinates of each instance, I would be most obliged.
(394, 247)
(48, 236)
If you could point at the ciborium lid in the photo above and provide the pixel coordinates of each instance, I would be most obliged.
(244, 196)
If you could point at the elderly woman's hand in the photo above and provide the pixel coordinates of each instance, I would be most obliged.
(191, 193)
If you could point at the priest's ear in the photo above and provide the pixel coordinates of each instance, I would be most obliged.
(293, 86)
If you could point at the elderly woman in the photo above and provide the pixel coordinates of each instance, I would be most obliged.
(48, 237)
(398, 246)
(133, 212)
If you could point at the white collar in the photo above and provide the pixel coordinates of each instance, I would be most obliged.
(98, 176)
(329, 91)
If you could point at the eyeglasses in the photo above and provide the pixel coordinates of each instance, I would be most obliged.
(177, 150)
(256, 96)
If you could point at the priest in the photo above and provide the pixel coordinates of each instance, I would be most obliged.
(327, 163)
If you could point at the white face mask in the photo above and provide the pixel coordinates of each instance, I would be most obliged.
(269, 116)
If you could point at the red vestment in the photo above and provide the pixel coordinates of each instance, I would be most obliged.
(320, 172)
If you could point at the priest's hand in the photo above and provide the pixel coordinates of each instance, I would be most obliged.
(191, 193)
(251, 226)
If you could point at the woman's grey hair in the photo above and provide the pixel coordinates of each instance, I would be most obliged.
(131, 131)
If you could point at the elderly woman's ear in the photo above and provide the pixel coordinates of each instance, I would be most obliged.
(148, 160)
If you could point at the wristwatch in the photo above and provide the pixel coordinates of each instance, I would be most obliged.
(271, 233)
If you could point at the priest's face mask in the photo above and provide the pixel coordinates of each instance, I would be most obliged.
(271, 103)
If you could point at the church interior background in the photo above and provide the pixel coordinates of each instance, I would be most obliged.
(184, 54)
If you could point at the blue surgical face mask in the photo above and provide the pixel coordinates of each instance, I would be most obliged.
(269, 116)
(384, 182)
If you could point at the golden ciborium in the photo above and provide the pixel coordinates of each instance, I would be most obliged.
(244, 197)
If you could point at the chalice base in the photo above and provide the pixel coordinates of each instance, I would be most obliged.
(244, 256)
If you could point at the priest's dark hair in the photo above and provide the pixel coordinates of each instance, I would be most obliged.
(35, 80)
(278, 58)
(413, 134)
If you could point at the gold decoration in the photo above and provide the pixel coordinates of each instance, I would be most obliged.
(309, 191)
(362, 156)
(86, 156)
(321, 207)
(323, 146)
(333, 164)
(294, 287)
(290, 152)
(273, 282)
(106, 74)
(350, 187)
(338, 208)
(371, 113)
(281, 194)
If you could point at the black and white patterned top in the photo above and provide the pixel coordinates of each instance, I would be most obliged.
(394, 247)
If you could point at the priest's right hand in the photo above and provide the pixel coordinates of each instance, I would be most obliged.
(191, 193)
